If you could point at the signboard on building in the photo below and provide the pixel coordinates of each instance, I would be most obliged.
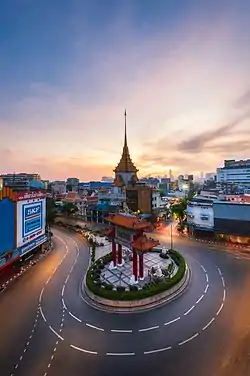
(31, 218)
(33, 244)
(124, 236)
(31, 195)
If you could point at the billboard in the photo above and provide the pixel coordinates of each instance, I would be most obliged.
(31, 219)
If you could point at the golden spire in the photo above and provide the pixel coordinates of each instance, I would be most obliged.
(125, 164)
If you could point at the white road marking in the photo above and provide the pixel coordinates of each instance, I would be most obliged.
(44, 318)
(74, 317)
(219, 310)
(94, 327)
(188, 340)
(219, 271)
(120, 354)
(223, 282)
(158, 350)
(121, 330)
(41, 295)
(205, 291)
(204, 270)
(206, 277)
(188, 311)
(53, 330)
(208, 324)
(150, 328)
(200, 298)
(172, 321)
(63, 303)
(224, 295)
(66, 280)
(83, 350)
(48, 280)
(63, 289)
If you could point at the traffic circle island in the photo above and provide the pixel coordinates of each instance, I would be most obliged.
(167, 277)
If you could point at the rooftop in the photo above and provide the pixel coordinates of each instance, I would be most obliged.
(128, 221)
(144, 244)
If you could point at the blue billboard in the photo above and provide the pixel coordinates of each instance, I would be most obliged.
(32, 218)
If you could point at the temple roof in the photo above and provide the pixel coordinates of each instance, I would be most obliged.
(131, 222)
(144, 244)
(125, 164)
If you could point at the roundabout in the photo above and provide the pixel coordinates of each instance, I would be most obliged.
(72, 329)
(154, 329)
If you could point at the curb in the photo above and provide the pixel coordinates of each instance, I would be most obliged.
(98, 303)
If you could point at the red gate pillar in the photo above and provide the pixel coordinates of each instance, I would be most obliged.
(135, 268)
(141, 270)
(114, 253)
(119, 255)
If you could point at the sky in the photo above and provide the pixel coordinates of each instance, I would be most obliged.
(68, 70)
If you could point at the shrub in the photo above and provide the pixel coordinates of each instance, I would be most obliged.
(109, 286)
(120, 288)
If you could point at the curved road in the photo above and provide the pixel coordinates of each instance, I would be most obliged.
(47, 329)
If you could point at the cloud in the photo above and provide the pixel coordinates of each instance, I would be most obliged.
(243, 101)
(197, 143)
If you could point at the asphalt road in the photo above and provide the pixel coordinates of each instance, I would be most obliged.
(47, 329)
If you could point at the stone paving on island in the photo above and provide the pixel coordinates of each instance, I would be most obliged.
(122, 275)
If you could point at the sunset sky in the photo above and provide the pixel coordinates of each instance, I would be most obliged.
(69, 68)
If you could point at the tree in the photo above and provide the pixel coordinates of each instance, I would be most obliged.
(50, 211)
(69, 208)
(179, 210)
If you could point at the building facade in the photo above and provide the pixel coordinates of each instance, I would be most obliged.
(200, 214)
(234, 175)
(232, 219)
(58, 187)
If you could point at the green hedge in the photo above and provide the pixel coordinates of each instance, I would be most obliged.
(134, 294)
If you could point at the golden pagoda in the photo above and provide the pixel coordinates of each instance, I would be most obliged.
(125, 171)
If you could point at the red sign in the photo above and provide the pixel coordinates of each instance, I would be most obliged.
(30, 195)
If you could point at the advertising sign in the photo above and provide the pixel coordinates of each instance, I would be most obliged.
(31, 245)
(30, 195)
(124, 237)
(31, 220)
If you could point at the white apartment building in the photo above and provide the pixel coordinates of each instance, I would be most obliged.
(235, 172)
(200, 213)
(157, 202)
(58, 187)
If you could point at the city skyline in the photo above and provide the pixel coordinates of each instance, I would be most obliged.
(68, 73)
